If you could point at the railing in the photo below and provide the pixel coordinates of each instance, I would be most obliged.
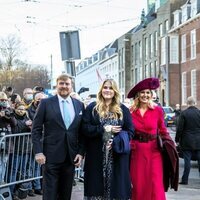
(17, 163)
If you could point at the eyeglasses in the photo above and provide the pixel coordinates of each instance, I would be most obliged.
(106, 88)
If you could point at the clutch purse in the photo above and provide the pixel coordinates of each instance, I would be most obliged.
(159, 142)
(107, 134)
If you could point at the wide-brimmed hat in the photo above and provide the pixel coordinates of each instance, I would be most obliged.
(148, 83)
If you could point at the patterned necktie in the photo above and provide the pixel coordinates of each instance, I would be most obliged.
(66, 114)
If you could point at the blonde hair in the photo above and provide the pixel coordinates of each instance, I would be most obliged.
(101, 107)
(136, 104)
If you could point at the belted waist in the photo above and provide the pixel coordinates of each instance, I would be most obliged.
(144, 137)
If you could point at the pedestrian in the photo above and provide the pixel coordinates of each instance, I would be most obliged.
(7, 124)
(177, 112)
(18, 160)
(35, 169)
(60, 117)
(146, 168)
(188, 135)
(27, 97)
(105, 123)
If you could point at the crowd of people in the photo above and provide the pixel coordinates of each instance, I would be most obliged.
(16, 117)
(126, 148)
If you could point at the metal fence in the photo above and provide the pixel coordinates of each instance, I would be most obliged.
(17, 164)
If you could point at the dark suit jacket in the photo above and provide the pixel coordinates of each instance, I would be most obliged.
(57, 141)
(188, 130)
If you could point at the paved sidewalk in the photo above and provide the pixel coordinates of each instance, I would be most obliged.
(77, 193)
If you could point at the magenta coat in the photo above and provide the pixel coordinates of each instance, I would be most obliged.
(146, 160)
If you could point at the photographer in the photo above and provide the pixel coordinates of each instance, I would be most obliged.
(7, 123)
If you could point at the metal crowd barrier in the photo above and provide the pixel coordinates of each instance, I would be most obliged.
(17, 163)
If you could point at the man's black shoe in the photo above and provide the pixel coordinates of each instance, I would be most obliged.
(31, 193)
(39, 192)
(183, 183)
(14, 197)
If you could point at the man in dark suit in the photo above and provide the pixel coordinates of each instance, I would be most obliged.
(60, 148)
(188, 135)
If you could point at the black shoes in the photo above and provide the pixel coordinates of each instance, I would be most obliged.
(31, 193)
(39, 192)
(183, 183)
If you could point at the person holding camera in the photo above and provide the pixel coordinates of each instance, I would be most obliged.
(7, 123)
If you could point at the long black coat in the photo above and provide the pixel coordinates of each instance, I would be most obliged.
(188, 130)
(93, 177)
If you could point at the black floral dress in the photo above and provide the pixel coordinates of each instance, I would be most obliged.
(107, 160)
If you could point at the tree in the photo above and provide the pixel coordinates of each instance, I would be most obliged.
(15, 72)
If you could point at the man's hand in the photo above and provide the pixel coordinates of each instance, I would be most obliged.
(77, 160)
(40, 158)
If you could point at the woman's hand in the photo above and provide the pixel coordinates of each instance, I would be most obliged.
(116, 129)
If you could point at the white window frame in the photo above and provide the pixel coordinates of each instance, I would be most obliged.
(183, 48)
(151, 45)
(166, 25)
(163, 51)
(156, 43)
(176, 18)
(194, 84)
(193, 8)
(160, 30)
(184, 88)
(146, 48)
(193, 43)
(184, 13)
(174, 50)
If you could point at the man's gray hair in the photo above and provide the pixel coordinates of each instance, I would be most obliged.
(190, 101)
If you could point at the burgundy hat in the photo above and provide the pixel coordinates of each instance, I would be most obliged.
(148, 83)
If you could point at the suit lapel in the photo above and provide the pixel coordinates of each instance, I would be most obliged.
(56, 109)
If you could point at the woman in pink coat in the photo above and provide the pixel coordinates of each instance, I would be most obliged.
(146, 160)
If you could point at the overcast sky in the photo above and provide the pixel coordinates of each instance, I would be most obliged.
(38, 23)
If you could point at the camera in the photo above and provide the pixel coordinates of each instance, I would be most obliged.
(8, 113)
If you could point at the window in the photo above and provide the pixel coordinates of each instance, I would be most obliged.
(123, 78)
(184, 88)
(152, 70)
(161, 30)
(146, 48)
(176, 18)
(166, 25)
(193, 44)
(136, 76)
(146, 71)
(184, 13)
(163, 51)
(140, 51)
(174, 56)
(136, 54)
(194, 84)
(183, 48)
(193, 8)
(156, 43)
(151, 46)
(140, 73)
